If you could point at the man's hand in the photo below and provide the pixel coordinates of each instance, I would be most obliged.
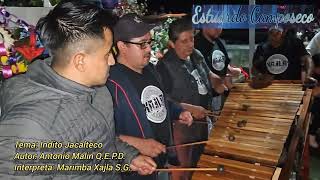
(234, 71)
(217, 83)
(221, 88)
(306, 67)
(197, 112)
(186, 118)
(228, 82)
(148, 147)
(151, 147)
(143, 165)
(310, 82)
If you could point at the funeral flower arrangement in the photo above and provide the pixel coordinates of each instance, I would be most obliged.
(130, 6)
(19, 46)
(160, 40)
(159, 33)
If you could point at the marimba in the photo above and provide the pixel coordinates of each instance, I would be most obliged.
(249, 136)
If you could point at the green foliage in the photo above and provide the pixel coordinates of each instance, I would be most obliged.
(131, 6)
(36, 3)
(160, 36)
(54, 2)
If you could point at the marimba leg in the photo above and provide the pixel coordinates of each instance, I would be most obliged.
(188, 156)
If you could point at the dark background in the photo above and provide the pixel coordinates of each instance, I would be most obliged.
(178, 6)
(233, 36)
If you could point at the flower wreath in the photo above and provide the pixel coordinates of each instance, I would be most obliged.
(18, 48)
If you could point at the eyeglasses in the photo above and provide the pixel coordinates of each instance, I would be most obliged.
(143, 45)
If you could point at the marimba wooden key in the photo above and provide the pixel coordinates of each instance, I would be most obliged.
(252, 128)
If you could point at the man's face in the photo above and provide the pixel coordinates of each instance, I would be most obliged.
(138, 50)
(99, 60)
(212, 33)
(275, 37)
(184, 44)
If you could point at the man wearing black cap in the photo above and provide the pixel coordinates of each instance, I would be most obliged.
(282, 56)
(142, 114)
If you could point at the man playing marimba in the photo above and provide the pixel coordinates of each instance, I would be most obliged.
(188, 80)
(142, 113)
(213, 49)
(282, 56)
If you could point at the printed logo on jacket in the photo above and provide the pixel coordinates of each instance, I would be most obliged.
(218, 60)
(201, 86)
(153, 100)
(277, 64)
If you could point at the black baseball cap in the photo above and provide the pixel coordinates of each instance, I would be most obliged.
(130, 26)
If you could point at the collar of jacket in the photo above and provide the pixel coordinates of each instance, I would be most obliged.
(195, 56)
(198, 60)
(41, 73)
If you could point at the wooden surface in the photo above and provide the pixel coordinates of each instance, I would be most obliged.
(232, 170)
(268, 115)
(299, 133)
(276, 174)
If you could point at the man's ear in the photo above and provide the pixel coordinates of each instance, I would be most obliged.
(78, 61)
(171, 44)
(121, 45)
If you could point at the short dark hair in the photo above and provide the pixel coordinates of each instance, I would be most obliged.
(179, 26)
(316, 60)
(70, 22)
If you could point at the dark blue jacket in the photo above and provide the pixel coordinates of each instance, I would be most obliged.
(130, 116)
(129, 113)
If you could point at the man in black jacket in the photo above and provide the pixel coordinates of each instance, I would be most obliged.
(188, 81)
(283, 56)
(143, 115)
(213, 49)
